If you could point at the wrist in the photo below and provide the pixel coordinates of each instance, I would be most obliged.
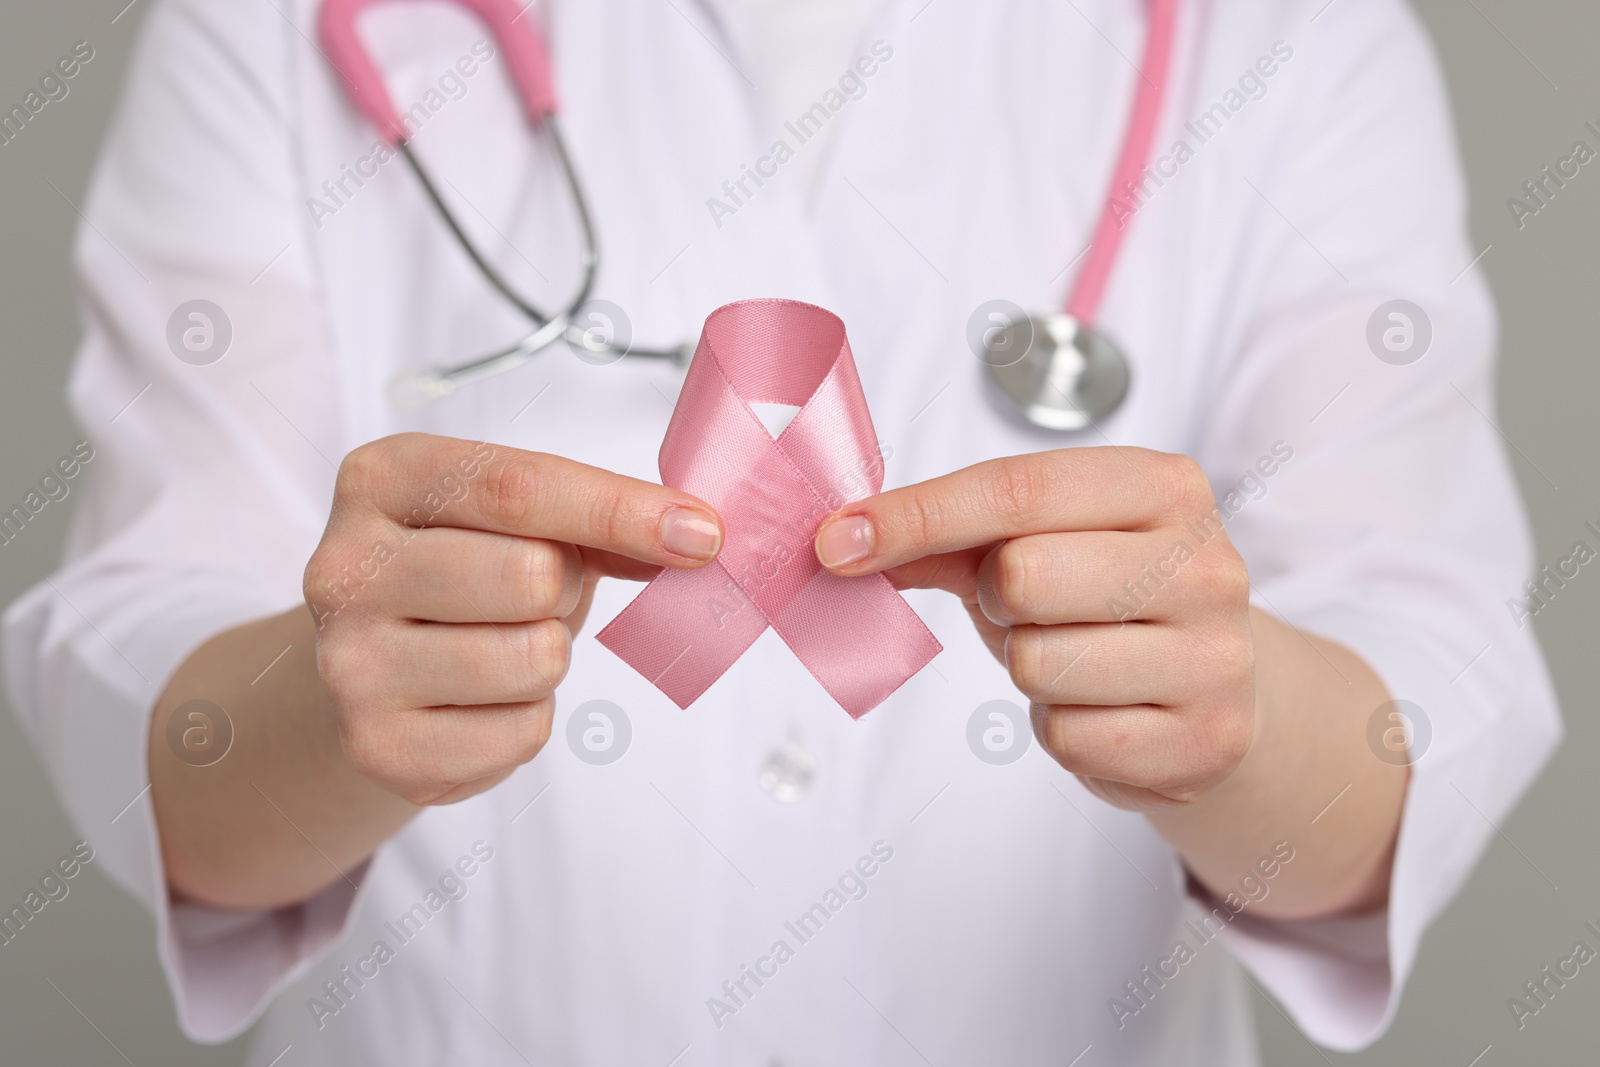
(1307, 779)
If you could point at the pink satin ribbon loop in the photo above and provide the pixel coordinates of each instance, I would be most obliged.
(857, 636)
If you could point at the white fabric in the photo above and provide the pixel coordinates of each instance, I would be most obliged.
(792, 52)
(1015, 907)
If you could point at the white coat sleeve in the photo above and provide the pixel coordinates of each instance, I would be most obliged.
(1395, 528)
(209, 484)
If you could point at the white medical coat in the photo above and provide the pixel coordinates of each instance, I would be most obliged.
(1016, 909)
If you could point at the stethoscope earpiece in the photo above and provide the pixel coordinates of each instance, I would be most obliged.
(414, 391)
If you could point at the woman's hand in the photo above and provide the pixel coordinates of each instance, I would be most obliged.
(1102, 579)
(441, 601)
(446, 590)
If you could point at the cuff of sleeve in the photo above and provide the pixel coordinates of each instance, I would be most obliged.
(1340, 979)
(70, 681)
(226, 966)
(1332, 975)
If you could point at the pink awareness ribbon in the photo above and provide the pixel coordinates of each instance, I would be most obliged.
(857, 636)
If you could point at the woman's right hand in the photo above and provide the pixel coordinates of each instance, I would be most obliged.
(446, 590)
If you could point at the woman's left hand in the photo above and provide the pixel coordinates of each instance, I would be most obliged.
(1103, 580)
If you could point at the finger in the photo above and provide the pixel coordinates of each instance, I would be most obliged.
(598, 563)
(953, 572)
(445, 574)
(1110, 665)
(422, 480)
(451, 575)
(1069, 489)
(1110, 576)
(1141, 745)
(1132, 744)
(434, 664)
(428, 755)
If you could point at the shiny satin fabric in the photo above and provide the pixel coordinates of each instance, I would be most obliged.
(857, 636)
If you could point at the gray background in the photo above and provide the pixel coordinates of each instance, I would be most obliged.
(1524, 80)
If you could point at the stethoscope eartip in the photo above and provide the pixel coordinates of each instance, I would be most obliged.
(413, 391)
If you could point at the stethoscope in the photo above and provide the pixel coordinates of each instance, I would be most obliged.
(1056, 370)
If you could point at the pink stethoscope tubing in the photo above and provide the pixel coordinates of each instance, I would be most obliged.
(1058, 371)
(524, 48)
(1084, 301)
(529, 60)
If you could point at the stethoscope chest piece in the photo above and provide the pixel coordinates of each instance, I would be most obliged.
(1054, 373)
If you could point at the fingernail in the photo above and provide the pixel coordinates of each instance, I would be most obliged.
(845, 541)
(690, 534)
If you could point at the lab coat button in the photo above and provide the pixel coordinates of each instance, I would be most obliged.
(788, 771)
